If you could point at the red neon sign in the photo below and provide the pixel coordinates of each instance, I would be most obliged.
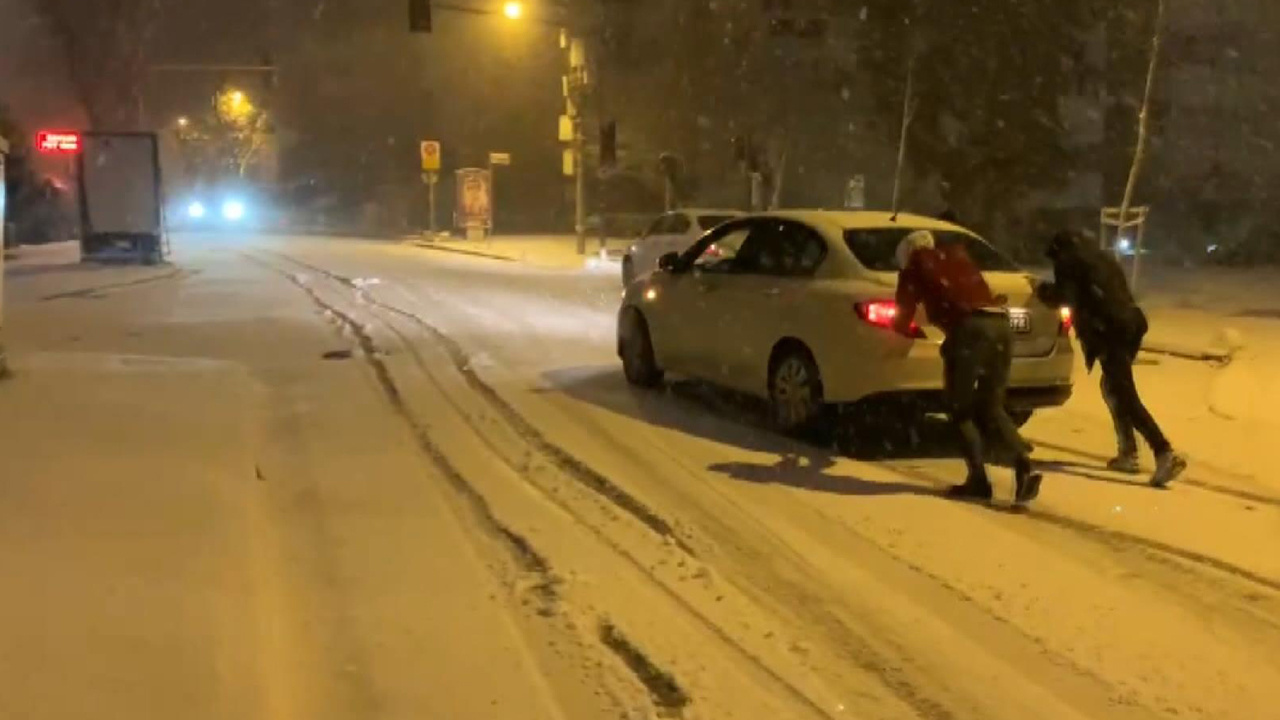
(49, 141)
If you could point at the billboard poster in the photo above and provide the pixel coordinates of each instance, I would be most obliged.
(475, 199)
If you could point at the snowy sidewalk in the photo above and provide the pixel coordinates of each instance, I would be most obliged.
(555, 252)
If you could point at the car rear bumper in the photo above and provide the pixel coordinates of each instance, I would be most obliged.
(1034, 382)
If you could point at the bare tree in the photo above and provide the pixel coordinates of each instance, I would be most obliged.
(908, 113)
(105, 45)
(1144, 121)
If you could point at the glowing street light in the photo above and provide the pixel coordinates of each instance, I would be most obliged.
(237, 98)
(513, 10)
(183, 121)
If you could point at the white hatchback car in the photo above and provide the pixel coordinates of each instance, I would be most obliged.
(797, 307)
(672, 232)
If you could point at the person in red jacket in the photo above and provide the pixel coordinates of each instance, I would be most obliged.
(977, 354)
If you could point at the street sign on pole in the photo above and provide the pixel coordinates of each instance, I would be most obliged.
(431, 179)
(567, 164)
(4, 150)
(430, 151)
(499, 158)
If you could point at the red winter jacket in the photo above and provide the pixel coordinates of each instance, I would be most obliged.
(947, 282)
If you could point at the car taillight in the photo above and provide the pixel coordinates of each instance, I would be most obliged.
(1067, 322)
(712, 251)
(882, 314)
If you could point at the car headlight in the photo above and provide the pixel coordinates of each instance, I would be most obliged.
(233, 210)
(195, 210)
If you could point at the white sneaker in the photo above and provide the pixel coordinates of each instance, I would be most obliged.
(1169, 465)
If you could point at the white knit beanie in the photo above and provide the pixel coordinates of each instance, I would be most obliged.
(915, 241)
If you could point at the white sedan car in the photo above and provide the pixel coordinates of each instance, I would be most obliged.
(797, 307)
(672, 232)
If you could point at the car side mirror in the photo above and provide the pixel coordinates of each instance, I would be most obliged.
(668, 261)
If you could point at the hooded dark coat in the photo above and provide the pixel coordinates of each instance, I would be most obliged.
(1092, 283)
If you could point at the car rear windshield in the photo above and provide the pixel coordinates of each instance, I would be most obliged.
(706, 222)
(875, 249)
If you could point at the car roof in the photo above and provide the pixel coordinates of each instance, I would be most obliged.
(866, 219)
(710, 211)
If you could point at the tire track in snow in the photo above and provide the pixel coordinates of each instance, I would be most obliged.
(94, 290)
(632, 658)
(519, 547)
(560, 457)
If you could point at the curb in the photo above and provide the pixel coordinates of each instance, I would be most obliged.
(1211, 356)
(460, 251)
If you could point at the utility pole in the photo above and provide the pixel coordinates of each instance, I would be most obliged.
(4, 150)
(432, 180)
(575, 87)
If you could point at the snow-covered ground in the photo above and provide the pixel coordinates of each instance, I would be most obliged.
(556, 252)
(477, 500)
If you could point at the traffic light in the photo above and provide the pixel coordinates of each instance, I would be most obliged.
(609, 145)
(420, 16)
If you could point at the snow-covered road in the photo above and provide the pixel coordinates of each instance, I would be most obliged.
(476, 491)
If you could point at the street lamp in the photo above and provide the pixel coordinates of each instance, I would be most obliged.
(513, 10)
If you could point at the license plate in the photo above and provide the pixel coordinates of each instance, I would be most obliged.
(1020, 320)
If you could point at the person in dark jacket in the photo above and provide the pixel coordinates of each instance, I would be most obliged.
(977, 354)
(1110, 326)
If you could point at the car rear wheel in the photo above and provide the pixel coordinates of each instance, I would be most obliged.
(795, 390)
(636, 347)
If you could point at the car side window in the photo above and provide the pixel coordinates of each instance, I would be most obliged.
(804, 249)
(678, 224)
(721, 255)
(760, 252)
(781, 248)
(707, 252)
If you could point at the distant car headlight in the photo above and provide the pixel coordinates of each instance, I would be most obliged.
(233, 210)
(196, 210)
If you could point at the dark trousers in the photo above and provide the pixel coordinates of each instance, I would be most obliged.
(1127, 410)
(977, 356)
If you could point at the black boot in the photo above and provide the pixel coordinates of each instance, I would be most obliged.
(1028, 482)
(976, 487)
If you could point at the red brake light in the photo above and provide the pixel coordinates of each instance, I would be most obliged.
(1068, 321)
(882, 314)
